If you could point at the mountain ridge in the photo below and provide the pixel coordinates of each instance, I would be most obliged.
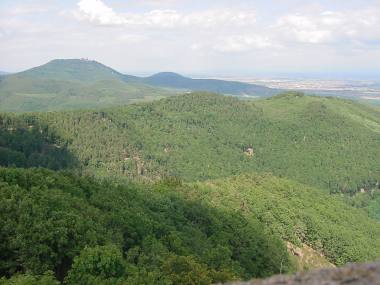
(199, 185)
(175, 80)
(65, 84)
(290, 129)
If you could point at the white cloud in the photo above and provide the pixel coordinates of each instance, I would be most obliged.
(196, 46)
(330, 27)
(303, 29)
(133, 39)
(221, 17)
(243, 43)
(96, 11)
(193, 34)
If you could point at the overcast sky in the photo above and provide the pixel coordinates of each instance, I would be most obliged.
(214, 37)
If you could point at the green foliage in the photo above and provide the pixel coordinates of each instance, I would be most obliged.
(27, 279)
(184, 270)
(298, 214)
(369, 201)
(39, 233)
(25, 143)
(324, 142)
(109, 234)
(112, 231)
(98, 265)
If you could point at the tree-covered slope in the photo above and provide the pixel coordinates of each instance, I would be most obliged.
(90, 233)
(112, 231)
(72, 84)
(298, 213)
(26, 143)
(325, 142)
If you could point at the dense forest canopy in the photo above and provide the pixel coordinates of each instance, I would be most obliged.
(192, 189)
(324, 142)
(298, 213)
(138, 235)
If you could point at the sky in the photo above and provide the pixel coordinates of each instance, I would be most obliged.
(208, 37)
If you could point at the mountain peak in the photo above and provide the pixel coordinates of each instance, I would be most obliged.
(73, 69)
(84, 61)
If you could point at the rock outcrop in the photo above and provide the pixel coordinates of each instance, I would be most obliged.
(351, 274)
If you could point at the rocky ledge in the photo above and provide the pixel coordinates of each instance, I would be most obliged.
(351, 274)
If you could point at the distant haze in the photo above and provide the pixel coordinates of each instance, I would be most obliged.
(329, 39)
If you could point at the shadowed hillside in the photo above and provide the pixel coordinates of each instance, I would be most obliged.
(102, 233)
(26, 143)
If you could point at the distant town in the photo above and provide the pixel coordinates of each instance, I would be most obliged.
(364, 89)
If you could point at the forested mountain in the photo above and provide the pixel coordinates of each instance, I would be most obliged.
(173, 80)
(73, 84)
(324, 142)
(68, 84)
(74, 70)
(190, 189)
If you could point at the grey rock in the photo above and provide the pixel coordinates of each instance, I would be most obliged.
(351, 274)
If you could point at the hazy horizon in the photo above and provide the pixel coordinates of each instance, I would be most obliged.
(322, 75)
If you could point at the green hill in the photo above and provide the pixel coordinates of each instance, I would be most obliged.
(173, 80)
(258, 175)
(324, 142)
(72, 84)
(327, 143)
(74, 70)
(69, 84)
